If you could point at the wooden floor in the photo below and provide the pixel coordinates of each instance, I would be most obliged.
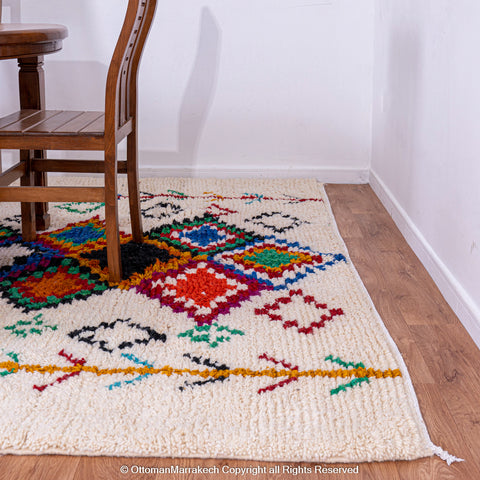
(443, 362)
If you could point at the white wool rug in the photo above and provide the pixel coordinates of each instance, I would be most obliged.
(241, 330)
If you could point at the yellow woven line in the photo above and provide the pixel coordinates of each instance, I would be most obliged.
(215, 196)
(214, 373)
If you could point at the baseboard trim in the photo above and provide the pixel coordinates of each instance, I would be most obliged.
(323, 174)
(455, 295)
(148, 168)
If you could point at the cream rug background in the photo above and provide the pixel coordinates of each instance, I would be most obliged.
(258, 340)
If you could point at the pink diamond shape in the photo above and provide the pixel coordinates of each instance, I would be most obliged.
(275, 311)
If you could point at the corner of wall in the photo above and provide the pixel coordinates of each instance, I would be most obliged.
(455, 295)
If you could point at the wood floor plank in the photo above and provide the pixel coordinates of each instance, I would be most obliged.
(443, 361)
(445, 432)
(448, 360)
(414, 311)
(38, 467)
(14, 467)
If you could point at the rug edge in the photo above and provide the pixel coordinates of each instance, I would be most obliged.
(413, 403)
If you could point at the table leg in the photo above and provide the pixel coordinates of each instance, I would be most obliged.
(31, 82)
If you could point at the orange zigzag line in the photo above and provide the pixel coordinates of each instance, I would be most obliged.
(14, 367)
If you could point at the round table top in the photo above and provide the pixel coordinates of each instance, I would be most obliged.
(30, 39)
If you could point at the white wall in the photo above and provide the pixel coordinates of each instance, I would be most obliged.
(286, 88)
(426, 138)
(279, 85)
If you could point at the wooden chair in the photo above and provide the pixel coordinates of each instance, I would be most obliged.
(36, 130)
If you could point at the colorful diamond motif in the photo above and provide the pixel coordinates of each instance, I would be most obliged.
(35, 258)
(270, 259)
(139, 261)
(8, 236)
(136, 257)
(85, 241)
(79, 235)
(204, 235)
(53, 281)
(276, 262)
(204, 290)
(76, 238)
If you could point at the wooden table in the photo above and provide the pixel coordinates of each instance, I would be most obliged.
(29, 42)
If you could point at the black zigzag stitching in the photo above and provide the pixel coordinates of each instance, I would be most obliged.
(87, 334)
(208, 363)
(259, 220)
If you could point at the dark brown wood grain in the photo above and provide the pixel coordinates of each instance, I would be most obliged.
(29, 193)
(74, 166)
(30, 39)
(27, 33)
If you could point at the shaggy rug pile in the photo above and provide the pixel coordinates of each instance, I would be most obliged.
(241, 330)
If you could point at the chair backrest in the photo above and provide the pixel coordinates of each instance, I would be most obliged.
(121, 89)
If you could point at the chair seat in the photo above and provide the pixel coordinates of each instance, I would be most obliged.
(53, 130)
(55, 122)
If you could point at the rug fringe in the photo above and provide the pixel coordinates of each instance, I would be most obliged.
(444, 455)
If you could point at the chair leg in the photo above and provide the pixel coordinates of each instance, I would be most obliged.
(133, 193)
(31, 82)
(29, 232)
(111, 217)
(41, 208)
